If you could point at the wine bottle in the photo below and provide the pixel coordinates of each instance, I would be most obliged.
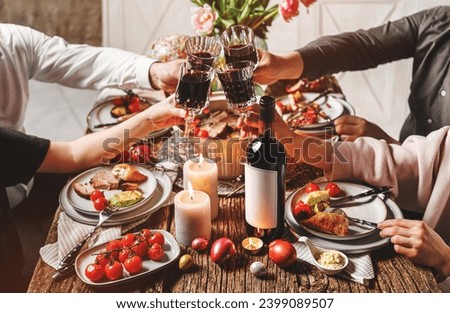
(265, 171)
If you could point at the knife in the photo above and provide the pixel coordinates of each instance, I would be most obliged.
(64, 272)
(105, 125)
(350, 198)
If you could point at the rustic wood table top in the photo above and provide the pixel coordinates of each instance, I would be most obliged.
(393, 273)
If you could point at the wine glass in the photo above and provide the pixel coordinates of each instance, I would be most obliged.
(202, 50)
(238, 43)
(193, 90)
(237, 83)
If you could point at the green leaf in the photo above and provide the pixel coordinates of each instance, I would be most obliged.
(244, 13)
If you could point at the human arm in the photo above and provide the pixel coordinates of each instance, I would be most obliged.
(350, 127)
(96, 148)
(273, 67)
(418, 242)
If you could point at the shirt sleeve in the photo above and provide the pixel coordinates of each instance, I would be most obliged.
(362, 49)
(52, 59)
(21, 156)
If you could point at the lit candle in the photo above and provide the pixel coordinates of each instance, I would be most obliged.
(203, 175)
(252, 245)
(192, 215)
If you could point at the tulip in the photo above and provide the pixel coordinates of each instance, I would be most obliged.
(203, 19)
(288, 9)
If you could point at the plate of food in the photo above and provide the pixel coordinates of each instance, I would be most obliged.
(301, 111)
(122, 185)
(309, 208)
(117, 109)
(153, 250)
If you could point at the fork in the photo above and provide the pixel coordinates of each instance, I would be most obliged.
(69, 258)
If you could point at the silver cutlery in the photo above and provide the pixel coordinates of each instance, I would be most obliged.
(368, 193)
(354, 219)
(66, 264)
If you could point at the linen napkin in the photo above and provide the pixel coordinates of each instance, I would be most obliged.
(70, 232)
(359, 268)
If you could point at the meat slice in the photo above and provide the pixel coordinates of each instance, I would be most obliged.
(129, 186)
(83, 190)
(105, 180)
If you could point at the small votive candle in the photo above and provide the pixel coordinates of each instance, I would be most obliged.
(252, 245)
(203, 174)
(192, 216)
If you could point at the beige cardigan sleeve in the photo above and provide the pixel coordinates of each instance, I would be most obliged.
(419, 171)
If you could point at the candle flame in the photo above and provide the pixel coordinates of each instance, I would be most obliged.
(200, 160)
(190, 190)
(250, 242)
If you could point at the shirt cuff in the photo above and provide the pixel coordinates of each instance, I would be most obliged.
(142, 68)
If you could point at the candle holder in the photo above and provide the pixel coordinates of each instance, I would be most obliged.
(252, 245)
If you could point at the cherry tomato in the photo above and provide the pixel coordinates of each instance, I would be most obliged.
(333, 189)
(283, 253)
(133, 265)
(114, 246)
(140, 154)
(96, 194)
(156, 252)
(102, 259)
(124, 254)
(301, 211)
(144, 234)
(134, 106)
(95, 272)
(119, 101)
(113, 270)
(310, 187)
(140, 248)
(156, 238)
(128, 240)
(203, 133)
(100, 204)
(196, 131)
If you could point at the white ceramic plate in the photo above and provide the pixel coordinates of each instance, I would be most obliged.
(332, 107)
(171, 254)
(87, 207)
(362, 245)
(163, 189)
(100, 114)
(369, 209)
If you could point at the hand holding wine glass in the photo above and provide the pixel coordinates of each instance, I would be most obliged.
(238, 43)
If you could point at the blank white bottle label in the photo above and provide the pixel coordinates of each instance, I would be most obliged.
(260, 197)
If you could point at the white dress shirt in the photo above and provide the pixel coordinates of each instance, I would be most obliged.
(29, 54)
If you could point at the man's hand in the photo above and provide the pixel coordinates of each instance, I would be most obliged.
(165, 75)
(273, 67)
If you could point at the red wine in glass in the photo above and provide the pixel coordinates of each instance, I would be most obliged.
(202, 58)
(239, 91)
(241, 52)
(193, 89)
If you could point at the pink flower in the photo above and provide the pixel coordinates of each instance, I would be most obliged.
(203, 19)
(307, 3)
(288, 9)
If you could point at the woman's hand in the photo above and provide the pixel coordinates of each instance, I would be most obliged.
(164, 114)
(418, 242)
(350, 127)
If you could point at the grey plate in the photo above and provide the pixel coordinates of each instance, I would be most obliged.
(163, 189)
(171, 251)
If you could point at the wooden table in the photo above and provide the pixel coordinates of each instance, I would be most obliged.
(393, 273)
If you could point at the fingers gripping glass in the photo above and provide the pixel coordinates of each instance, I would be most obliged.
(237, 83)
(193, 90)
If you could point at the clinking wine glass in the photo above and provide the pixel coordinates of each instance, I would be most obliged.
(238, 43)
(202, 50)
(193, 90)
(237, 83)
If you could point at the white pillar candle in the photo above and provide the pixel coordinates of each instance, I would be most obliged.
(192, 216)
(203, 174)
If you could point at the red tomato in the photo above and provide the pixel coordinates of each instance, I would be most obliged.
(301, 211)
(140, 248)
(134, 106)
(333, 189)
(114, 246)
(144, 234)
(283, 253)
(133, 265)
(124, 254)
(128, 240)
(119, 101)
(95, 272)
(203, 133)
(196, 131)
(156, 238)
(156, 252)
(102, 259)
(113, 270)
(96, 194)
(140, 154)
(311, 187)
(100, 204)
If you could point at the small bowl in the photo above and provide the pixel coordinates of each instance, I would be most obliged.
(316, 252)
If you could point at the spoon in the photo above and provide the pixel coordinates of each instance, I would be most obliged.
(353, 219)
(316, 252)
